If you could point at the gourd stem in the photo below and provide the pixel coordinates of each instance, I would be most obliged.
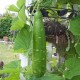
(34, 8)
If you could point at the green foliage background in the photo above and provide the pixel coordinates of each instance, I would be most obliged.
(5, 24)
(70, 70)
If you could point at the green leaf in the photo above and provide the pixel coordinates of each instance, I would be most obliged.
(72, 52)
(20, 3)
(9, 70)
(48, 76)
(17, 24)
(19, 21)
(21, 14)
(52, 77)
(47, 2)
(23, 40)
(12, 65)
(13, 8)
(77, 47)
(75, 26)
(76, 77)
(63, 1)
(72, 66)
(75, 1)
(5, 24)
(13, 76)
(68, 1)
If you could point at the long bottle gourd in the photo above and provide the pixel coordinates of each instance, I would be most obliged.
(39, 46)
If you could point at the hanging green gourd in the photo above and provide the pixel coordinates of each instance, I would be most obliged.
(39, 46)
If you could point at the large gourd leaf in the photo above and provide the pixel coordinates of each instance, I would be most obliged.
(21, 14)
(72, 67)
(13, 8)
(75, 25)
(17, 24)
(23, 40)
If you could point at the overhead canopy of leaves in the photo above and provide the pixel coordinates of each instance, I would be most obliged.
(75, 26)
(23, 40)
(73, 67)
